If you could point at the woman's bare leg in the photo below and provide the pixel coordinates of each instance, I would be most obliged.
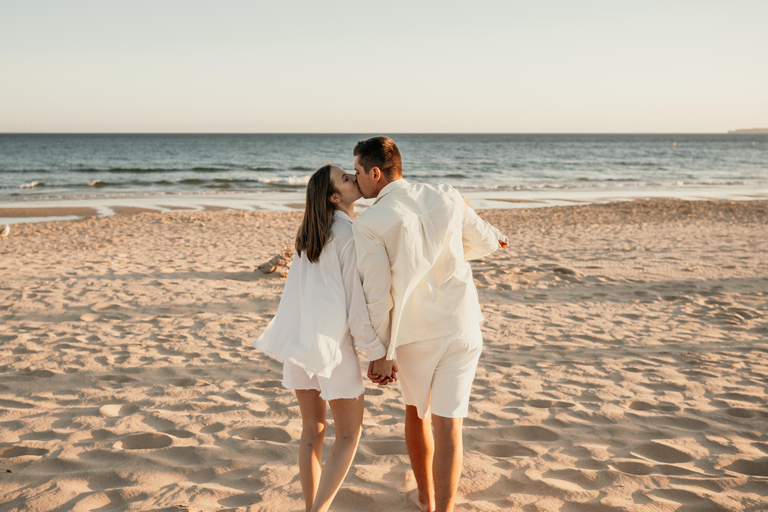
(311, 445)
(348, 424)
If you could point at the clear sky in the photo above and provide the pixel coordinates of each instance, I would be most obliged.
(549, 66)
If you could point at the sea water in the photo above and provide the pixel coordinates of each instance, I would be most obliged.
(271, 170)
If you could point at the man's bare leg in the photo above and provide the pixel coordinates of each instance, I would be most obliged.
(449, 458)
(421, 450)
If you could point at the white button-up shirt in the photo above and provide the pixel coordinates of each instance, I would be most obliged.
(412, 246)
(322, 307)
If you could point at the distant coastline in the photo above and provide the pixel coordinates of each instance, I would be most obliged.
(750, 130)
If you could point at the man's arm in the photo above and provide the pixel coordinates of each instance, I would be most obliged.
(479, 237)
(357, 311)
(376, 276)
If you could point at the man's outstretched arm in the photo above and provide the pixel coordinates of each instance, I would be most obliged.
(479, 237)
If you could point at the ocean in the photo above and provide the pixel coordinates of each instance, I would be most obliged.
(270, 171)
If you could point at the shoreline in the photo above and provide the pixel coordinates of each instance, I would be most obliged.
(28, 210)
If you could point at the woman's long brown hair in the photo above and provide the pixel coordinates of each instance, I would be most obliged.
(315, 229)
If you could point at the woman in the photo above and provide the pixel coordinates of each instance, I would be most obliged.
(322, 309)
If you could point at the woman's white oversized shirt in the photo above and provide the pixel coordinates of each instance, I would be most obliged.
(322, 304)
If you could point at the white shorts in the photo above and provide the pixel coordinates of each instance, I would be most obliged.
(436, 375)
(346, 380)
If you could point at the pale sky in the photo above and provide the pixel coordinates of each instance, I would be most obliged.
(558, 66)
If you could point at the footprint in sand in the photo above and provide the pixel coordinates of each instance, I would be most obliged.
(592, 480)
(188, 382)
(105, 306)
(506, 450)
(89, 317)
(642, 469)
(103, 480)
(350, 499)
(682, 423)
(266, 384)
(277, 435)
(120, 379)
(21, 451)
(46, 374)
(740, 412)
(213, 429)
(645, 406)
(741, 397)
(662, 453)
(549, 404)
(150, 441)
(102, 434)
(180, 434)
(13, 404)
(529, 433)
(249, 483)
(757, 467)
(688, 500)
(763, 447)
(234, 396)
(241, 500)
(157, 423)
(386, 447)
(45, 435)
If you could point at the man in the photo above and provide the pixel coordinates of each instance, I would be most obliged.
(412, 245)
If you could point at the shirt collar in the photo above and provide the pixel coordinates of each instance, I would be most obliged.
(393, 185)
(341, 215)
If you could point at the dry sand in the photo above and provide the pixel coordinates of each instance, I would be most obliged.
(625, 366)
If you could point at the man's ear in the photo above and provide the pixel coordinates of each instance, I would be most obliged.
(376, 174)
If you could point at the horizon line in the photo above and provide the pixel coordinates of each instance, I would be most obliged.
(729, 132)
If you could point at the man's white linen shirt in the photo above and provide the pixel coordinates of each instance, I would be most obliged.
(322, 307)
(412, 246)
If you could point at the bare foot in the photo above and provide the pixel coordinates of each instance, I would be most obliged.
(414, 497)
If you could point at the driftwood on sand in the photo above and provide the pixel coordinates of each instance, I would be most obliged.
(280, 264)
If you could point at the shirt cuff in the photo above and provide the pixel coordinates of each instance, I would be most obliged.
(375, 350)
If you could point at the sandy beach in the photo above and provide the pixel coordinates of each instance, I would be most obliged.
(625, 366)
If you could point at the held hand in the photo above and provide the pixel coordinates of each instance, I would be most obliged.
(393, 375)
(372, 376)
(382, 372)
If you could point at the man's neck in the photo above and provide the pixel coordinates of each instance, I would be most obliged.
(383, 185)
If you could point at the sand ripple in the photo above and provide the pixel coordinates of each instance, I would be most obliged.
(625, 367)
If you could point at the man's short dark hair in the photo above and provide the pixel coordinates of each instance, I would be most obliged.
(380, 152)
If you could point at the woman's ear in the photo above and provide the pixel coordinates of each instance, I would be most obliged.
(335, 198)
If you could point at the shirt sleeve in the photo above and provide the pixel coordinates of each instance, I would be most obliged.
(479, 237)
(358, 319)
(376, 275)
